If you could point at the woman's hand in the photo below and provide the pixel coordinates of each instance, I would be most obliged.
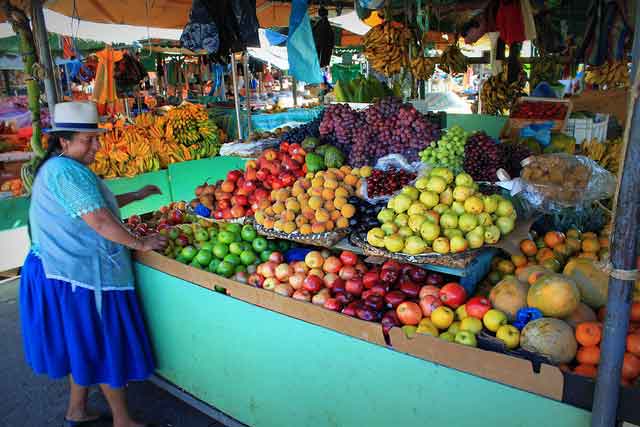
(154, 242)
(147, 191)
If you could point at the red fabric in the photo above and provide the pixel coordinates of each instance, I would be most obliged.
(509, 22)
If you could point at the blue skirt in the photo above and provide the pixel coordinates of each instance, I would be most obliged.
(64, 335)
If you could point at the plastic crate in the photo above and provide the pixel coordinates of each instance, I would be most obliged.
(590, 128)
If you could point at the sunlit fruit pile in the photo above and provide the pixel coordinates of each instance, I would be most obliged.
(448, 151)
(442, 213)
(314, 204)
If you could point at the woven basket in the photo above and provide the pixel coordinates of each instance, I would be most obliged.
(326, 240)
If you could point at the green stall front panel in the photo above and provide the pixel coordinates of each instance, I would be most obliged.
(14, 213)
(492, 125)
(186, 176)
(269, 370)
(152, 203)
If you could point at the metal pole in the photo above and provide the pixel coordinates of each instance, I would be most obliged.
(42, 42)
(623, 258)
(236, 96)
(294, 91)
(247, 89)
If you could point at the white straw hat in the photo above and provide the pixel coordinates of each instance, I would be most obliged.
(76, 117)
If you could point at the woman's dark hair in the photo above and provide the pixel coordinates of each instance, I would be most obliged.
(54, 147)
(474, 23)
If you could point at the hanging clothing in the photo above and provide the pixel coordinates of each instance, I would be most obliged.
(68, 49)
(509, 22)
(324, 38)
(607, 32)
(104, 90)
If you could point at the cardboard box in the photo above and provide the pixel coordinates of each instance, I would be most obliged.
(367, 331)
(508, 370)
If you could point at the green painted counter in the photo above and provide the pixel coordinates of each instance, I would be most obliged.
(14, 213)
(266, 369)
(492, 125)
(126, 185)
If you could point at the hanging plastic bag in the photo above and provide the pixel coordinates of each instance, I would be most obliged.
(540, 131)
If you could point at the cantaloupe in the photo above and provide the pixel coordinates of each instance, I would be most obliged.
(583, 313)
(592, 282)
(509, 296)
(550, 337)
(554, 295)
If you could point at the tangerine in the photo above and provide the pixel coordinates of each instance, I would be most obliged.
(342, 222)
(633, 344)
(630, 366)
(589, 355)
(554, 238)
(590, 245)
(589, 333)
(544, 254)
(348, 211)
(586, 370)
(519, 260)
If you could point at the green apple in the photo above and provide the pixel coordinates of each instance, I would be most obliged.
(201, 235)
(441, 245)
(457, 208)
(471, 324)
(204, 257)
(220, 250)
(505, 208)
(459, 244)
(446, 197)
(462, 193)
(461, 312)
(467, 222)
(375, 237)
(464, 179)
(452, 232)
(493, 319)
(440, 208)
(409, 331)
(429, 199)
(386, 215)
(208, 246)
(491, 235)
(416, 221)
(234, 228)
(259, 244)
(510, 335)
(232, 259)
(429, 231)
(421, 183)
(248, 257)
(188, 253)
(447, 336)
(476, 240)
(454, 328)
(505, 224)
(414, 245)
(443, 173)
(194, 263)
(449, 220)
(225, 269)
(235, 248)
(186, 229)
(484, 219)
(417, 208)
(410, 191)
(474, 205)
(466, 338)
(402, 203)
(401, 220)
(490, 203)
(389, 228)
(173, 233)
(394, 243)
(213, 265)
(436, 184)
(248, 233)
(226, 237)
(405, 231)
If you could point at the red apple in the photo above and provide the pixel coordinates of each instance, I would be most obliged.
(300, 267)
(270, 284)
(283, 289)
(269, 269)
(391, 265)
(297, 280)
(379, 290)
(348, 258)
(370, 278)
(418, 275)
(234, 175)
(366, 313)
(182, 240)
(347, 272)
(314, 259)
(428, 304)
(389, 276)
(332, 304)
(354, 286)
(429, 290)
(255, 280)
(410, 289)
(338, 287)
(332, 264)
(361, 268)
(375, 302)
(313, 284)
(394, 298)
(321, 297)
(283, 272)
(435, 279)
(343, 297)
(134, 220)
(276, 257)
(316, 272)
(350, 309)
(389, 320)
(477, 307)
(330, 279)
(405, 269)
(301, 295)
(453, 295)
(366, 294)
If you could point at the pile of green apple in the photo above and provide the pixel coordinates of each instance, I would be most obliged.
(442, 213)
(229, 250)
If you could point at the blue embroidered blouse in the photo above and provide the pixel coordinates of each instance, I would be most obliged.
(63, 191)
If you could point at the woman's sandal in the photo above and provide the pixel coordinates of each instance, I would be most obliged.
(102, 418)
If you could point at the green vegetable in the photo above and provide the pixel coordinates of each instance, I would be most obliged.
(333, 158)
(314, 162)
(310, 143)
(339, 92)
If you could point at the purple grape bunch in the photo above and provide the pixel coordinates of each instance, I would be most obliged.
(482, 157)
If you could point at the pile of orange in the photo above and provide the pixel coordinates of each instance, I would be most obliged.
(13, 185)
(314, 204)
(589, 337)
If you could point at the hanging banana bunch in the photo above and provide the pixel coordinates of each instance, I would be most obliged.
(498, 95)
(610, 75)
(386, 47)
(544, 69)
(453, 61)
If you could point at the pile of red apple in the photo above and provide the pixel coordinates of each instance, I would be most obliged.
(241, 193)
(163, 218)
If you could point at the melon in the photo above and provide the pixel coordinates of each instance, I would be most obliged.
(509, 296)
(583, 313)
(550, 337)
(592, 282)
(554, 295)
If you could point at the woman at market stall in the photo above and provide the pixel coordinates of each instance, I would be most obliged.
(79, 312)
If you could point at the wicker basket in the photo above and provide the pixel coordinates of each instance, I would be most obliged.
(326, 240)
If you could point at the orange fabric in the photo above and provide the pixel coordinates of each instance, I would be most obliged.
(104, 88)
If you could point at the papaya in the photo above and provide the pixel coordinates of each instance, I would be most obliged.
(509, 296)
(592, 282)
(530, 274)
(554, 295)
(553, 338)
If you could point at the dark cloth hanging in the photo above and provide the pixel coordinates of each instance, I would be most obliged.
(129, 72)
(200, 33)
(324, 37)
(608, 32)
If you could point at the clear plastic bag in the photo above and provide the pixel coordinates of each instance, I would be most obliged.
(551, 182)
(248, 149)
(392, 161)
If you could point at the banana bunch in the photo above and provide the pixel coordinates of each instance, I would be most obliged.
(611, 75)
(453, 61)
(422, 68)
(607, 155)
(125, 152)
(544, 69)
(498, 95)
(386, 47)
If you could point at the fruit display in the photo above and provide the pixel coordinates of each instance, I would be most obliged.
(448, 152)
(540, 110)
(314, 204)
(608, 154)
(386, 127)
(558, 178)
(154, 142)
(366, 213)
(241, 193)
(610, 75)
(14, 186)
(298, 134)
(361, 90)
(386, 182)
(442, 213)
(453, 61)
(482, 157)
(321, 157)
(386, 47)
(497, 95)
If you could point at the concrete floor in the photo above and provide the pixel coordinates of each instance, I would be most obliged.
(27, 400)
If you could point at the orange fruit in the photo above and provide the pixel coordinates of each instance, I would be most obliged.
(633, 344)
(339, 202)
(519, 260)
(590, 245)
(586, 370)
(342, 222)
(328, 194)
(630, 366)
(589, 355)
(554, 238)
(328, 205)
(589, 333)
(335, 214)
(289, 227)
(331, 184)
(348, 211)
(544, 254)
(315, 202)
(351, 180)
(322, 215)
(329, 225)
(341, 192)
(300, 221)
(305, 229)
(317, 228)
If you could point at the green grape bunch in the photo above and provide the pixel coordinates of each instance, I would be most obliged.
(448, 151)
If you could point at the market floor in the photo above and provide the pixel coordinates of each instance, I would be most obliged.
(27, 400)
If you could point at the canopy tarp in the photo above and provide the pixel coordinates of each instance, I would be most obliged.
(351, 23)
